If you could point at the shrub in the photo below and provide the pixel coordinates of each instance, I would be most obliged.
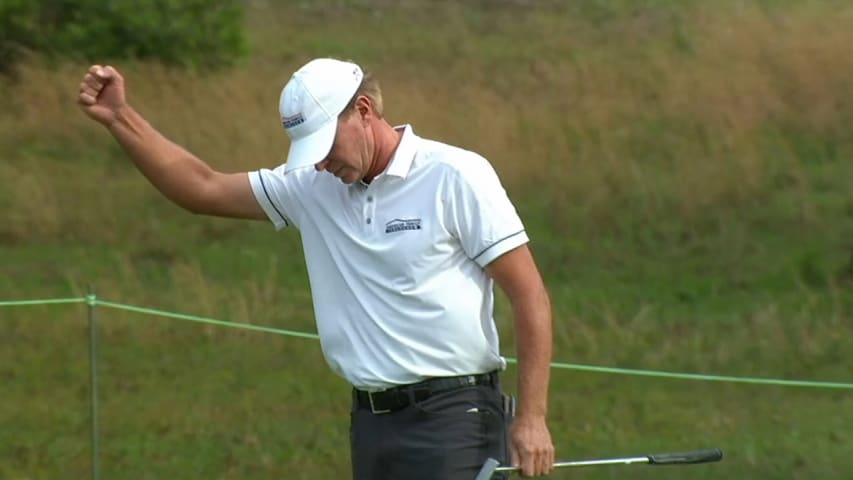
(190, 33)
(17, 29)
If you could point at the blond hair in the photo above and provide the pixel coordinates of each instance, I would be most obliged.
(369, 88)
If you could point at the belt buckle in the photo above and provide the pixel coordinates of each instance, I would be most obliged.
(373, 409)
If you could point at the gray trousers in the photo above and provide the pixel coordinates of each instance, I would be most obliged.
(444, 437)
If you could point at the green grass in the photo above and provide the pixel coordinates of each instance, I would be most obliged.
(683, 170)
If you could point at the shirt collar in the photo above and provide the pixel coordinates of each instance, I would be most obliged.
(403, 157)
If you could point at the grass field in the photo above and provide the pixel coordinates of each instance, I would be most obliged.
(684, 169)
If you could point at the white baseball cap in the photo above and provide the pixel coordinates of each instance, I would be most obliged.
(310, 104)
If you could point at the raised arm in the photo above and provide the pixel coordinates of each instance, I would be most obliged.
(181, 176)
(516, 273)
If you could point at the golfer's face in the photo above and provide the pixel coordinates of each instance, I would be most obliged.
(348, 158)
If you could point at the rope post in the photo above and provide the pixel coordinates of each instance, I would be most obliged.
(91, 302)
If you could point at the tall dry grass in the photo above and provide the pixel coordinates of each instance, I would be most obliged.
(674, 128)
(670, 121)
(674, 120)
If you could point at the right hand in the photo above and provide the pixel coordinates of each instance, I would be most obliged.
(102, 94)
(531, 447)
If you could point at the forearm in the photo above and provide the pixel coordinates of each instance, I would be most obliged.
(174, 171)
(534, 345)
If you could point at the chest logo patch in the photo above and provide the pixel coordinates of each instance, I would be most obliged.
(401, 225)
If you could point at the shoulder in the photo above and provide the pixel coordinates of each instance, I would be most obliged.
(298, 183)
(304, 177)
(453, 161)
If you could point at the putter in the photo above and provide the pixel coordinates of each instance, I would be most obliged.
(491, 466)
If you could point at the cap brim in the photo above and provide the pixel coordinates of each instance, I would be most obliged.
(313, 148)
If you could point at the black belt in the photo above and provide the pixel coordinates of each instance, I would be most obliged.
(396, 398)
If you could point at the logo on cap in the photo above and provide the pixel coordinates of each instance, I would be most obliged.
(293, 120)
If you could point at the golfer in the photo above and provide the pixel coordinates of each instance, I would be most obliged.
(403, 238)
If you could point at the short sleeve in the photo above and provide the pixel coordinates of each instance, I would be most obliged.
(480, 212)
(271, 191)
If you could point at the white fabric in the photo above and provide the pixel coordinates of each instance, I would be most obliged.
(396, 267)
(309, 106)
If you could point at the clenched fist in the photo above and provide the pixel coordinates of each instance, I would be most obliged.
(102, 94)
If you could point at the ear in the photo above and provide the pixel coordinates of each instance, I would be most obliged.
(364, 107)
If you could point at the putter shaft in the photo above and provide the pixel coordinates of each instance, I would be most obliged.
(681, 458)
(586, 463)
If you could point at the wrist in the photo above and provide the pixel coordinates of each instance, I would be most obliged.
(523, 416)
(121, 117)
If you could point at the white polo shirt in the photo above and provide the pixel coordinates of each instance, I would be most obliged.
(396, 266)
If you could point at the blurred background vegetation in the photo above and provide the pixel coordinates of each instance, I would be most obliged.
(684, 169)
(186, 33)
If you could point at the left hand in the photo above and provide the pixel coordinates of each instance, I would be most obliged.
(531, 446)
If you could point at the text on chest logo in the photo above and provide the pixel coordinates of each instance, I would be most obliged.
(401, 225)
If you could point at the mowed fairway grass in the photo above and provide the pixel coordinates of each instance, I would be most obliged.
(684, 169)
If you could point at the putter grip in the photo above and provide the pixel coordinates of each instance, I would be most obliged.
(696, 456)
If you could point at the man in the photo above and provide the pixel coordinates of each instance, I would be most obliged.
(403, 238)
